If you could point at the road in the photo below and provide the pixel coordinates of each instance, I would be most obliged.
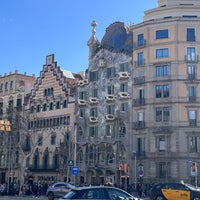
(22, 198)
(31, 198)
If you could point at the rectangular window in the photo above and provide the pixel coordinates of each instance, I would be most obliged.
(140, 116)
(40, 140)
(161, 34)
(82, 113)
(95, 92)
(124, 87)
(191, 70)
(162, 114)
(194, 144)
(1, 87)
(94, 131)
(162, 53)
(111, 72)
(110, 109)
(11, 85)
(110, 130)
(124, 67)
(163, 170)
(162, 91)
(192, 92)
(124, 107)
(162, 70)
(6, 86)
(192, 115)
(82, 95)
(93, 112)
(162, 144)
(94, 76)
(140, 146)
(111, 89)
(190, 34)
(191, 54)
(140, 40)
(140, 59)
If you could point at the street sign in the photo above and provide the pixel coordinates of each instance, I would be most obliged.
(70, 163)
(190, 161)
(75, 170)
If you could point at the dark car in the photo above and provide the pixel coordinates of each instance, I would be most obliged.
(174, 191)
(98, 192)
(58, 190)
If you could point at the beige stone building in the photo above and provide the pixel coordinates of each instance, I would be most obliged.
(166, 90)
(14, 95)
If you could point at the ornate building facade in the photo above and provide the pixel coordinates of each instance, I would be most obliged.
(104, 108)
(51, 124)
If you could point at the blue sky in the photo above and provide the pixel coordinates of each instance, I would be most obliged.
(32, 29)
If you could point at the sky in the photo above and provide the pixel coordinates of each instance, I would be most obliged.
(32, 29)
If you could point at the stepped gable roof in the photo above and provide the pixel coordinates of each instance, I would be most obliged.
(117, 39)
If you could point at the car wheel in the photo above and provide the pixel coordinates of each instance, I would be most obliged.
(50, 196)
(159, 198)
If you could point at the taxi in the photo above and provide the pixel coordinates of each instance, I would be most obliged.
(174, 191)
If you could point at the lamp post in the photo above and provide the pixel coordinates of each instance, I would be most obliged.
(135, 171)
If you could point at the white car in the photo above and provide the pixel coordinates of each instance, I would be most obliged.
(58, 190)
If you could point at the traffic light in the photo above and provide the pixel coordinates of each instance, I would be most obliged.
(194, 167)
(1, 125)
(7, 125)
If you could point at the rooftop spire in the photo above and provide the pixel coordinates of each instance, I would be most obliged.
(93, 42)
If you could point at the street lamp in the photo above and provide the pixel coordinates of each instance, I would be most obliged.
(135, 162)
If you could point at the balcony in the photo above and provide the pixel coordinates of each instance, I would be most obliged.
(139, 125)
(191, 58)
(191, 77)
(139, 80)
(139, 102)
(139, 44)
(193, 122)
(192, 99)
(140, 63)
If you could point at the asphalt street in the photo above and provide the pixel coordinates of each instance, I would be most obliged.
(31, 198)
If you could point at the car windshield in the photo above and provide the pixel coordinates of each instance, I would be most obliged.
(191, 187)
(69, 195)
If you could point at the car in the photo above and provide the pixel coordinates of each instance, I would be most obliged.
(174, 191)
(58, 190)
(98, 192)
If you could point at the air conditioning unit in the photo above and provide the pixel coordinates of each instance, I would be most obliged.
(93, 100)
(110, 97)
(110, 117)
(85, 81)
(81, 102)
(81, 83)
(123, 75)
(124, 95)
(93, 119)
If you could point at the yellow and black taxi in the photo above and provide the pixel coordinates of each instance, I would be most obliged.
(174, 191)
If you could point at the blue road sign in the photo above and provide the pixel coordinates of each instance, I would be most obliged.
(75, 170)
(190, 161)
